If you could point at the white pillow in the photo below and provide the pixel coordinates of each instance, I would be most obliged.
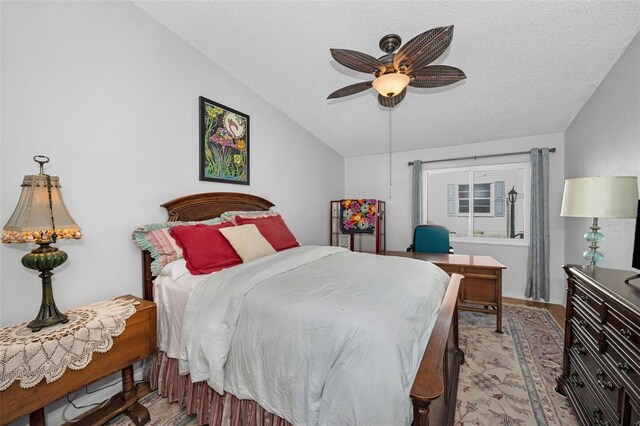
(247, 241)
(175, 269)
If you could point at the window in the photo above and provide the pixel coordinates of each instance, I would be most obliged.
(487, 191)
(481, 198)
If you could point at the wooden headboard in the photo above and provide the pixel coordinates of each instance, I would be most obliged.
(203, 206)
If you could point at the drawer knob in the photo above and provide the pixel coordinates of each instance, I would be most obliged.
(579, 347)
(597, 417)
(576, 380)
(601, 380)
(626, 333)
(623, 366)
(584, 298)
(582, 323)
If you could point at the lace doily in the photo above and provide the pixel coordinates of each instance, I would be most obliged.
(29, 357)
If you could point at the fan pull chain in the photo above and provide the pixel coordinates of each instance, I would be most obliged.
(390, 154)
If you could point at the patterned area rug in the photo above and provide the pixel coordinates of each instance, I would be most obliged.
(507, 379)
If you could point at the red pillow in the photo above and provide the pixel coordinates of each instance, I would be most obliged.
(204, 248)
(273, 230)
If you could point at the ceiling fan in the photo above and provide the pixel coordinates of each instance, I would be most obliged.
(395, 70)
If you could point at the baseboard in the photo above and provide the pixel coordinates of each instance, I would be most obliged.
(519, 297)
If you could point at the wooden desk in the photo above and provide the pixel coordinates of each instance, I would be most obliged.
(137, 341)
(481, 288)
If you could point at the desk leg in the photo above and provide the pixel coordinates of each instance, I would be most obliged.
(37, 417)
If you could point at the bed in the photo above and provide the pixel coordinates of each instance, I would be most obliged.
(432, 391)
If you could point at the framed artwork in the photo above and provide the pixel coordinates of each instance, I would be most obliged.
(224, 143)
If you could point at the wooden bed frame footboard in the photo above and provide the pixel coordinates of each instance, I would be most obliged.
(435, 387)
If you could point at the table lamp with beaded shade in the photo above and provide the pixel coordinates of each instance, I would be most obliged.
(41, 218)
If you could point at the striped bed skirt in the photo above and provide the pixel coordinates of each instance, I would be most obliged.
(198, 398)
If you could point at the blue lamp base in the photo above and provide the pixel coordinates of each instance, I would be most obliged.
(593, 237)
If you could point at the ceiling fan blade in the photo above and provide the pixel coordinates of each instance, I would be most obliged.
(350, 90)
(436, 76)
(390, 102)
(358, 61)
(423, 49)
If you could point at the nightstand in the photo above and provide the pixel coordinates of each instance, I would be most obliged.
(137, 342)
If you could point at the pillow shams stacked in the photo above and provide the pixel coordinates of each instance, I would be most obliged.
(162, 243)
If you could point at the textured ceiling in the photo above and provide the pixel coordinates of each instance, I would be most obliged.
(530, 65)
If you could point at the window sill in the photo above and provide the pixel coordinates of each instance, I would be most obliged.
(492, 241)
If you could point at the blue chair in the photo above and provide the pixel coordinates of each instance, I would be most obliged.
(430, 239)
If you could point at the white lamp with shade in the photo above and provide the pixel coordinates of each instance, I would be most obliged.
(611, 197)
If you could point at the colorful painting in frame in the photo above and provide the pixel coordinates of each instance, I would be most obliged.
(224, 143)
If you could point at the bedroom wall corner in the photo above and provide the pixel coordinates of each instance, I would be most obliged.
(604, 140)
(399, 231)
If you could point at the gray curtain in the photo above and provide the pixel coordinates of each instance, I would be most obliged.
(538, 264)
(416, 195)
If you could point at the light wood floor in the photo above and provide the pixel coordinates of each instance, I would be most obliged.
(556, 311)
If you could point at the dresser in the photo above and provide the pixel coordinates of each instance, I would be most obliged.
(601, 363)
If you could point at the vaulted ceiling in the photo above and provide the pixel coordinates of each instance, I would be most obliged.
(530, 65)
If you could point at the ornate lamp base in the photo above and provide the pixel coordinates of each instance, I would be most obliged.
(44, 259)
(593, 237)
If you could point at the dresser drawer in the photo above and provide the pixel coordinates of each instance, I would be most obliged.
(590, 360)
(586, 323)
(625, 363)
(595, 409)
(576, 379)
(593, 304)
(579, 342)
(599, 418)
(623, 329)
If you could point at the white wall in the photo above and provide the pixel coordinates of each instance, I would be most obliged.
(604, 140)
(368, 176)
(112, 97)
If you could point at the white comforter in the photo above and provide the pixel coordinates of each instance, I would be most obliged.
(316, 335)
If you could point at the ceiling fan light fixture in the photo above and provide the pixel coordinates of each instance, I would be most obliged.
(391, 84)
(401, 66)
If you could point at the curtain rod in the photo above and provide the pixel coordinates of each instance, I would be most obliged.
(475, 157)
